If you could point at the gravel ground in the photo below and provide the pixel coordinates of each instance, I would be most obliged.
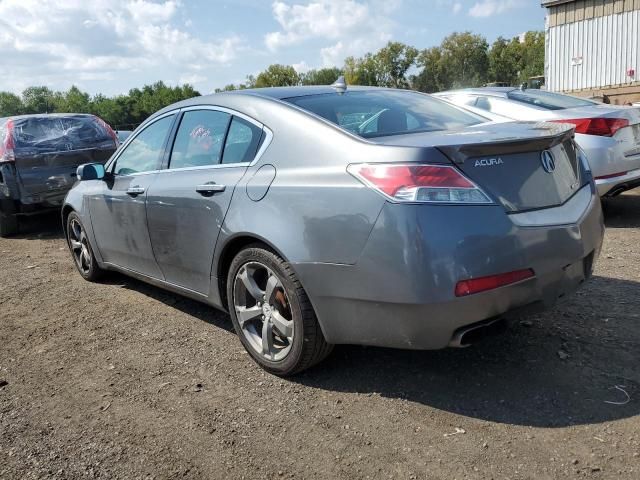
(123, 380)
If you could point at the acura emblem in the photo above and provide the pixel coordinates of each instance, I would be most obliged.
(548, 162)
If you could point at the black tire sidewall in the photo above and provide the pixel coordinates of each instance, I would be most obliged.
(94, 272)
(292, 361)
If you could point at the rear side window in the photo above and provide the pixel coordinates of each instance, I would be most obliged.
(143, 153)
(61, 133)
(548, 100)
(199, 139)
(242, 142)
(374, 113)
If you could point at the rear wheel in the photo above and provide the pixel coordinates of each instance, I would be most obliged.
(81, 249)
(272, 314)
(8, 225)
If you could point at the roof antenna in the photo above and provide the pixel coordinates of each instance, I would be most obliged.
(340, 85)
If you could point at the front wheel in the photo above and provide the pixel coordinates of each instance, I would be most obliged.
(81, 250)
(272, 314)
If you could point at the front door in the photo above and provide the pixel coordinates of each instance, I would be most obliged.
(188, 201)
(118, 210)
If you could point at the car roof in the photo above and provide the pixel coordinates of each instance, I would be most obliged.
(46, 115)
(496, 91)
(280, 93)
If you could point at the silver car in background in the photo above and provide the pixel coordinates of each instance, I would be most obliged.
(317, 216)
(609, 134)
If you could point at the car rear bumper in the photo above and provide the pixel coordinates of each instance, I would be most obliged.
(616, 185)
(607, 156)
(13, 193)
(400, 293)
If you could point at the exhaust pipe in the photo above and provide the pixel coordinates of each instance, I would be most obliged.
(470, 334)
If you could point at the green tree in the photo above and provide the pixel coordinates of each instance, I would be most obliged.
(74, 101)
(392, 63)
(38, 100)
(532, 55)
(277, 75)
(10, 104)
(323, 76)
(505, 60)
(431, 77)
(465, 60)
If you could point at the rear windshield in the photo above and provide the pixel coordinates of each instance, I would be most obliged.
(548, 100)
(386, 112)
(61, 133)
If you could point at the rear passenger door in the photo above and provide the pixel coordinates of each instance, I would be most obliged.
(188, 201)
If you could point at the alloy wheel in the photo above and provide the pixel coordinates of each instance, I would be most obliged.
(79, 246)
(263, 311)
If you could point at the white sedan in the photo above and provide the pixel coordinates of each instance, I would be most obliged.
(609, 134)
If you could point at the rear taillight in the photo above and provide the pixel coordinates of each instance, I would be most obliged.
(603, 127)
(419, 183)
(109, 130)
(7, 143)
(482, 284)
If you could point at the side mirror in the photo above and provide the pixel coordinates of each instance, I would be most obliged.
(90, 171)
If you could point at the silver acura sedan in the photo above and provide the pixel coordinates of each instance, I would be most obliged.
(608, 134)
(318, 216)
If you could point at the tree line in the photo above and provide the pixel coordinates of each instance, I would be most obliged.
(461, 60)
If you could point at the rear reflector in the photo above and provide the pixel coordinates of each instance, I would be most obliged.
(611, 175)
(482, 284)
(603, 127)
(415, 183)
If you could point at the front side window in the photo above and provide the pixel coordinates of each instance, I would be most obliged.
(373, 113)
(242, 141)
(199, 139)
(144, 152)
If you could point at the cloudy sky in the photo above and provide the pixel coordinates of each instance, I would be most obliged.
(110, 46)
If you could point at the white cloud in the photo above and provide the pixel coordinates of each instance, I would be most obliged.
(301, 67)
(487, 8)
(353, 27)
(59, 42)
(456, 8)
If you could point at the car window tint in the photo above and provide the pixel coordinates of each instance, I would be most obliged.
(144, 151)
(548, 100)
(386, 112)
(242, 141)
(199, 139)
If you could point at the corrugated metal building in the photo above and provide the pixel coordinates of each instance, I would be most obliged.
(593, 48)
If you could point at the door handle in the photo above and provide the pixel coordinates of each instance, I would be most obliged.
(209, 189)
(135, 191)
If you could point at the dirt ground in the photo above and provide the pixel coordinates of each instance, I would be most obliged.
(123, 380)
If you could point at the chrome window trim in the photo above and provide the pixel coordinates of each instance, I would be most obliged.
(263, 148)
(265, 144)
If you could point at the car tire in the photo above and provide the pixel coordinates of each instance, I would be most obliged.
(81, 251)
(8, 225)
(290, 310)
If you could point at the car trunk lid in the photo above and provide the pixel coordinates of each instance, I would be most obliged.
(524, 166)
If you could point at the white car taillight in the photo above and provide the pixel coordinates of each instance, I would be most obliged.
(419, 183)
(7, 143)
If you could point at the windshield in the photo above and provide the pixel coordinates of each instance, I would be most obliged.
(548, 100)
(380, 113)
